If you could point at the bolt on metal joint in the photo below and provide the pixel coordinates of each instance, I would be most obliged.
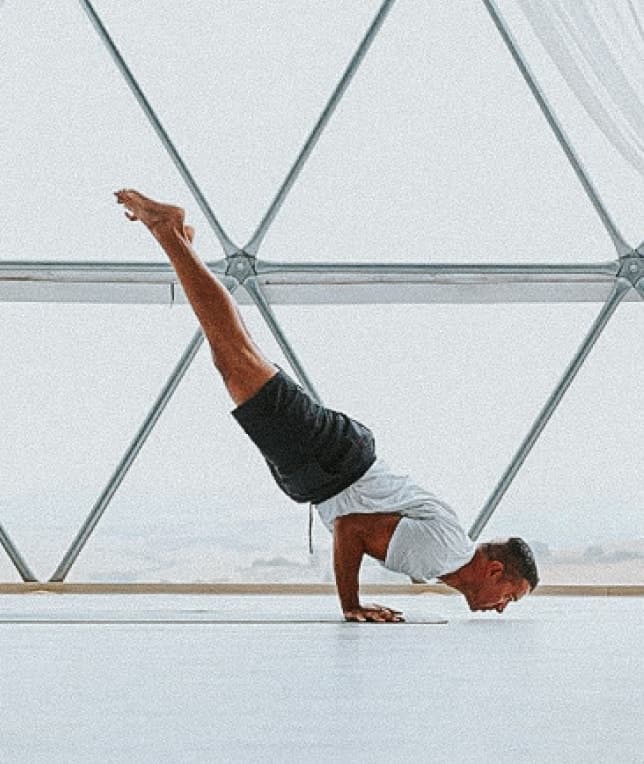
(241, 266)
(631, 267)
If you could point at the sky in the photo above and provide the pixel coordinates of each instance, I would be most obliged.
(437, 153)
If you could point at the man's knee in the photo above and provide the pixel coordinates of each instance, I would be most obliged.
(244, 372)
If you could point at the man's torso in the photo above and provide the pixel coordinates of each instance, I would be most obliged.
(427, 542)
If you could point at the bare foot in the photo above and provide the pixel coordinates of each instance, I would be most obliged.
(151, 213)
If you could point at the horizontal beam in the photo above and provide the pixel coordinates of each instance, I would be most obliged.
(316, 283)
(255, 589)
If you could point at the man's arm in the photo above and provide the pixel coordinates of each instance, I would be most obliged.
(348, 551)
(353, 537)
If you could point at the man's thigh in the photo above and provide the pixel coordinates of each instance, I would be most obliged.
(244, 371)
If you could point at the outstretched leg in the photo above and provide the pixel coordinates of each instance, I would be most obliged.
(240, 363)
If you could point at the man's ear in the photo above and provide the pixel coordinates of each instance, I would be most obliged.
(495, 569)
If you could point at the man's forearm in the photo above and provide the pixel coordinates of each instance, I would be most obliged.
(354, 536)
(348, 551)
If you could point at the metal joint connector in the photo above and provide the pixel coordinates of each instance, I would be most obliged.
(631, 267)
(241, 266)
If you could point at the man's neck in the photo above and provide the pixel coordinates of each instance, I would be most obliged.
(460, 579)
(452, 579)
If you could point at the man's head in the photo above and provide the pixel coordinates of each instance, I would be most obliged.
(500, 572)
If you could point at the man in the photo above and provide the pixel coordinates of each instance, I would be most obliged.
(326, 458)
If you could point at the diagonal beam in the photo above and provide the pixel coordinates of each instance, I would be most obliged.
(15, 557)
(228, 246)
(128, 458)
(621, 287)
(253, 245)
(609, 224)
(254, 290)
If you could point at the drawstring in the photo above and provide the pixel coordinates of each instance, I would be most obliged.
(310, 528)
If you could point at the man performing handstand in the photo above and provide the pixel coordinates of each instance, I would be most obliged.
(326, 458)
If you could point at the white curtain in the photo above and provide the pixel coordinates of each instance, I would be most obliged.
(598, 46)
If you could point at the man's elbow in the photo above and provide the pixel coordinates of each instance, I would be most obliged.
(348, 523)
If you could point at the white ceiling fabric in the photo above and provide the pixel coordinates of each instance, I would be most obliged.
(598, 47)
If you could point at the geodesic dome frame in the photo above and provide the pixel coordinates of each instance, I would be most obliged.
(266, 283)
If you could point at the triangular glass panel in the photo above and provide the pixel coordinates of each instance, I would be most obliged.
(438, 155)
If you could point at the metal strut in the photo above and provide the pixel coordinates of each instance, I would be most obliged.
(15, 557)
(621, 287)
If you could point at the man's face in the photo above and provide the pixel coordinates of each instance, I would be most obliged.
(496, 591)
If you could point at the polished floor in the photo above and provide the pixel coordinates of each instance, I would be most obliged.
(247, 679)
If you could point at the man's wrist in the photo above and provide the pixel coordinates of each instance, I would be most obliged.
(350, 605)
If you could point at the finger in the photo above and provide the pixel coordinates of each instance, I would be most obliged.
(386, 609)
(391, 617)
(130, 216)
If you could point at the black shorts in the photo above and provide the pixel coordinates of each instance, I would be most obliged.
(312, 452)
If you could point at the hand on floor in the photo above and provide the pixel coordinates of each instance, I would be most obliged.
(374, 614)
